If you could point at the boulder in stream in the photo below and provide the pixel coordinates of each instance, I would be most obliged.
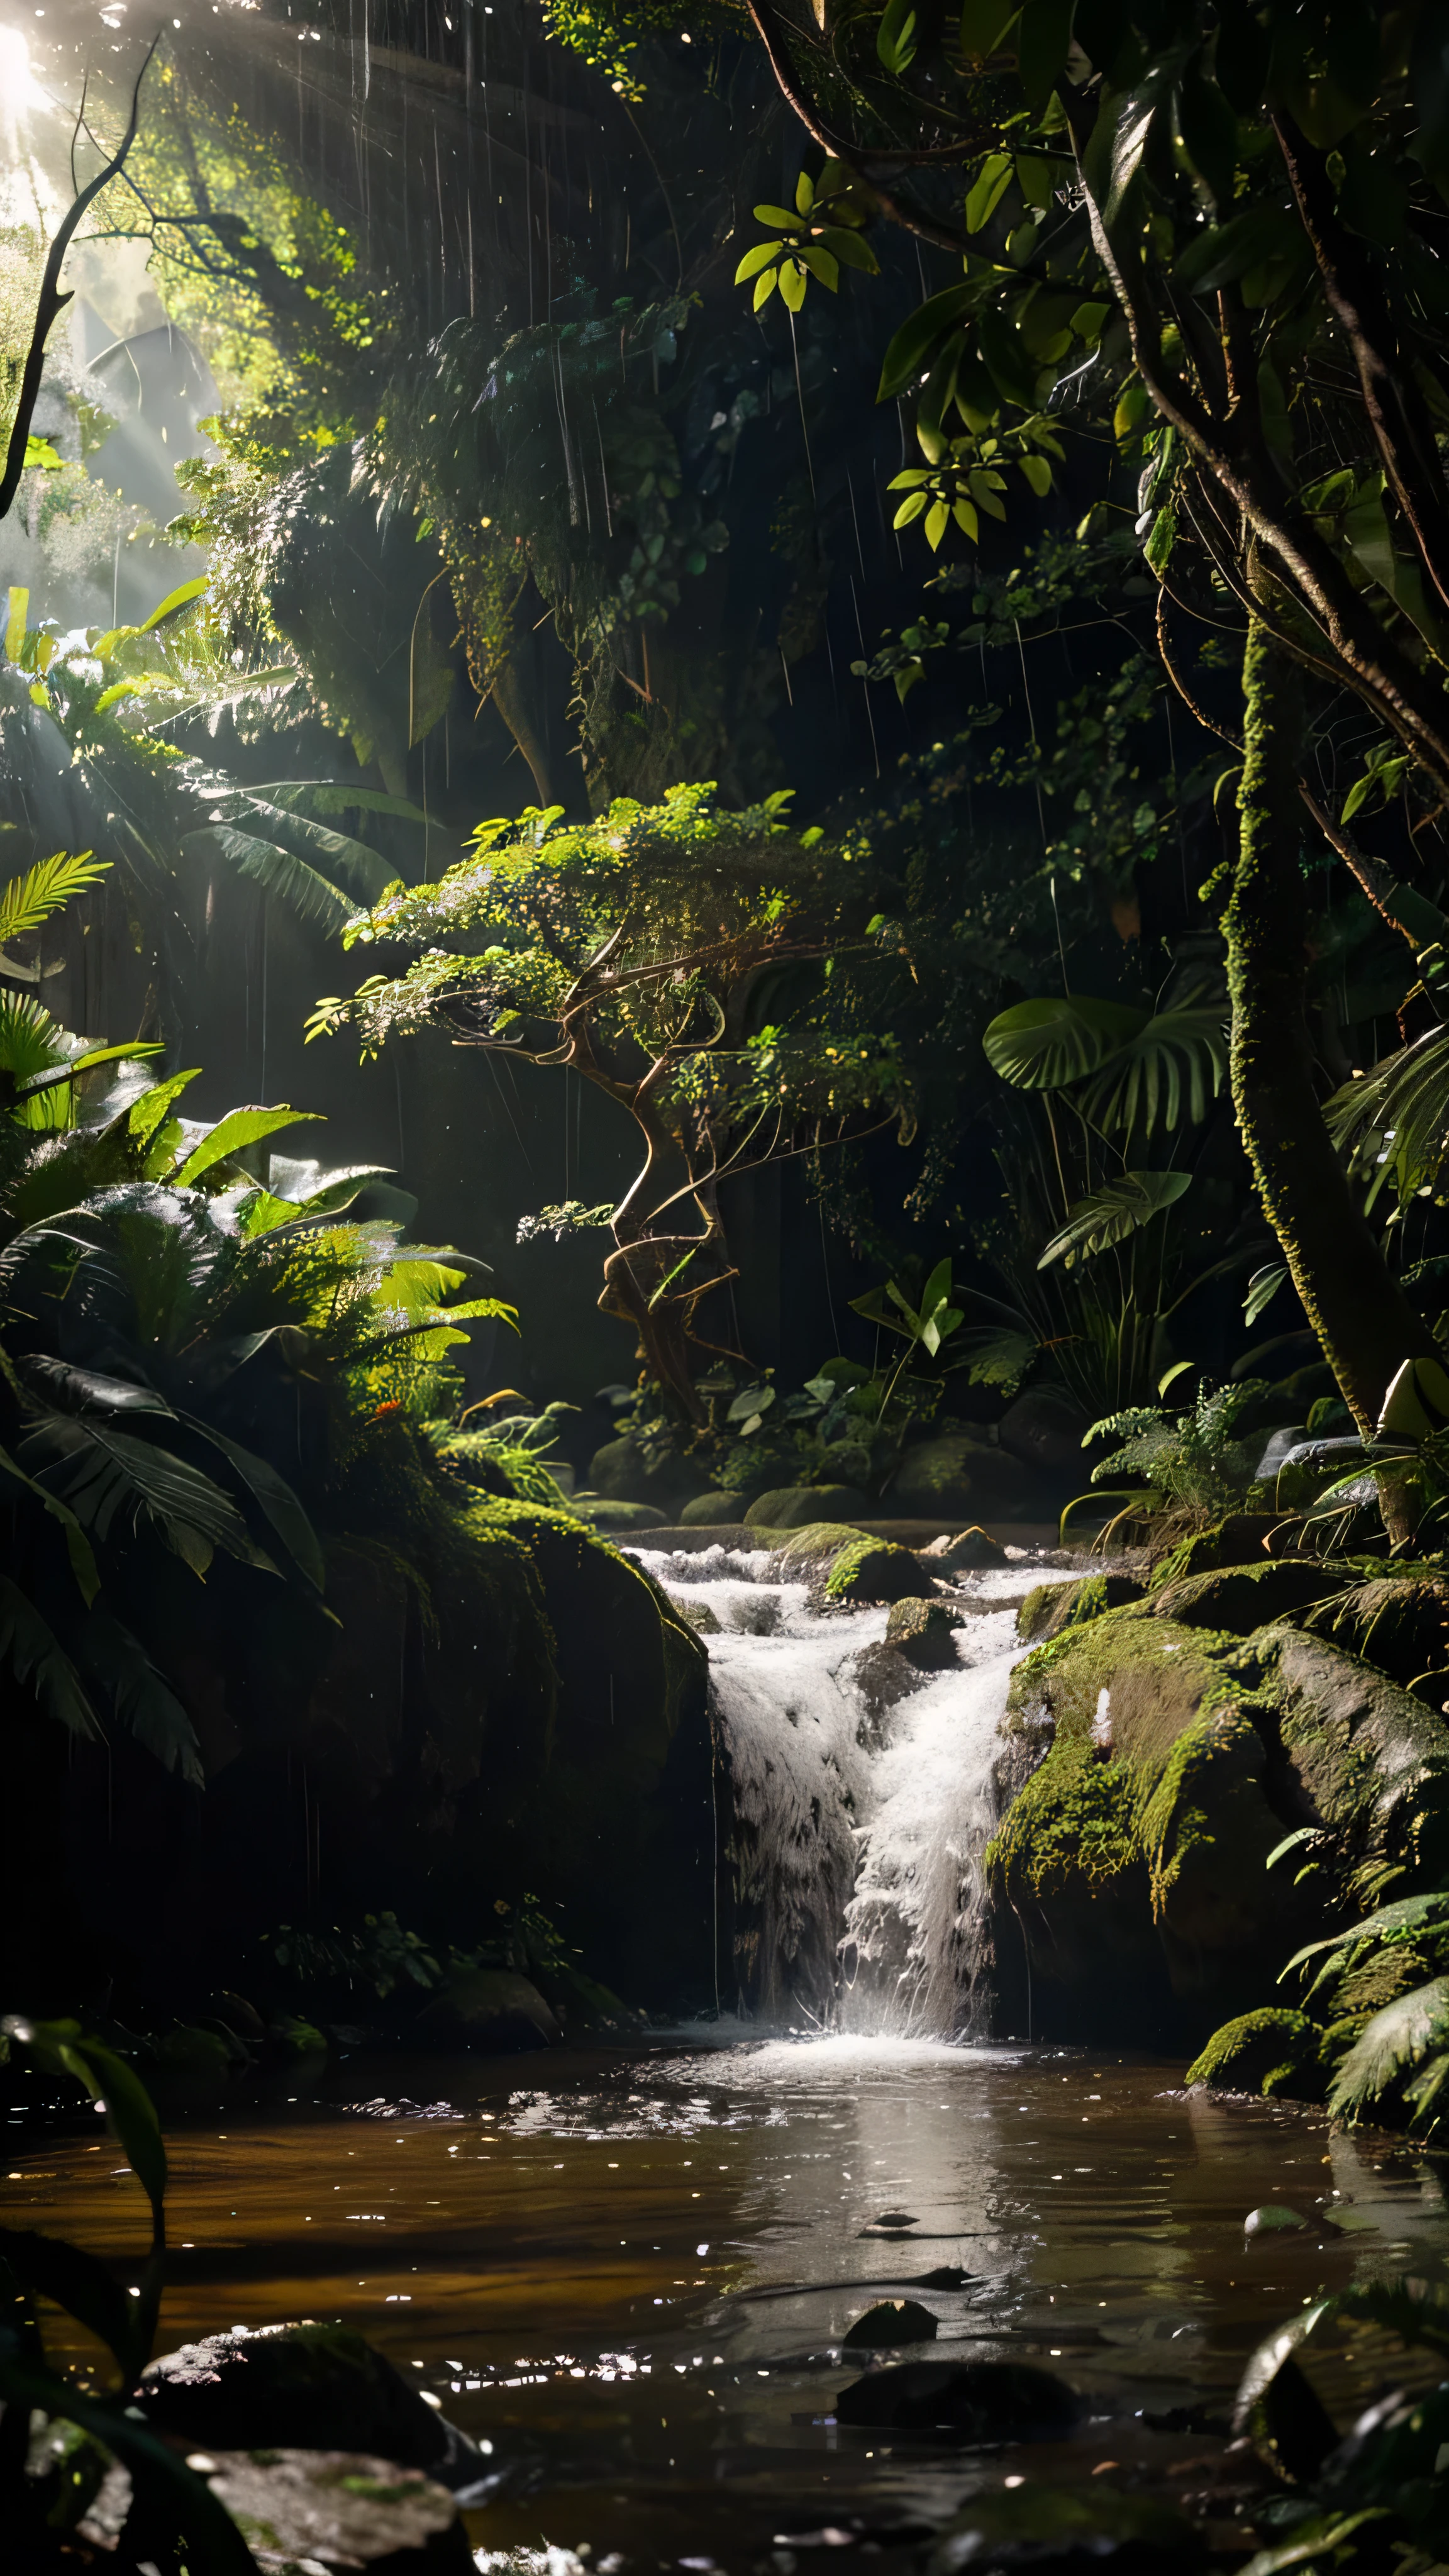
(873, 1569)
(978, 2401)
(788, 1507)
(339, 2509)
(892, 2321)
(308, 2387)
(965, 1553)
(723, 1509)
(924, 1632)
(494, 2010)
(1050, 1607)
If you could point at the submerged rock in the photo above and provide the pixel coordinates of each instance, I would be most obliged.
(873, 1569)
(1059, 2531)
(980, 2401)
(923, 1631)
(701, 1618)
(1272, 2220)
(306, 2387)
(789, 1507)
(491, 2009)
(892, 2321)
(338, 2509)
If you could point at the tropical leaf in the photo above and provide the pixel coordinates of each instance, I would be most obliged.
(1392, 2043)
(277, 1500)
(305, 888)
(1108, 1215)
(29, 1040)
(1393, 1123)
(179, 2499)
(143, 1699)
(81, 2284)
(35, 1655)
(46, 888)
(101, 1472)
(63, 2048)
(240, 1127)
(333, 796)
(1040, 1045)
(1406, 1914)
(1181, 1055)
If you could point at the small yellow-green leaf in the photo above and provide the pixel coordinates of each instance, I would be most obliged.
(804, 192)
(1038, 474)
(763, 254)
(910, 508)
(966, 520)
(938, 519)
(781, 217)
(764, 287)
(793, 282)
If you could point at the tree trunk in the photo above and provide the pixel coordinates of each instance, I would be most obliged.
(1366, 1325)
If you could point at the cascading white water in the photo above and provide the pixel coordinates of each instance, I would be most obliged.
(862, 1793)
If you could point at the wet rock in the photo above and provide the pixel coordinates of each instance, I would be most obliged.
(701, 1618)
(1366, 1759)
(1273, 2050)
(789, 1507)
(873, 1569)
(1065, 2531)
(238, 2015)
(307, 2387)
(338, 2509)
(1054, 1606)
(200, 2054)
(923, 1631)
(959, 1476)
(1272, 2220)
(1244, 1597)
(719, 1509)
(1399, 1623)
(604, 1513)
(883, 1678)
(817, 1543)
(1238, 1539)
(978, 2401)
(622, 1474)
(493, 2010)
(969, 1550)
(892, 2321)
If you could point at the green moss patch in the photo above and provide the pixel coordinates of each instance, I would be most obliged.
(1269, 2051)
(873, 1569)
(1054, 1606)
(1244, 1597)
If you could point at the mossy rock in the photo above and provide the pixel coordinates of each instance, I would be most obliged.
(1399, 1623)
(1365, 1758)
(1234, 1540)
(622, 1474)
(723, 1508)
(967, 1553)
(1272, 2050)
(1240, 1598)
(923, 1631)
(493, 2010)
(1054, 1606)
(306, 2387)
(603, 1512)
(699, 1617)
(818, 1543)
(787, 1507)
(873, 1569)
(1132, 1858)
(958, 1475)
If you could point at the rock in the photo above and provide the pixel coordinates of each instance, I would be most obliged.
(622, 1474)
(1054, 1606)
(289, 2038)
(979, 2401)
(873, 1569)
(958, 1476)
(1365, 1758)
(201, 2054)
(1399, 1623)
(1233, 1541)
(1273, 2050)
(1245, 1597)
(602, 1513)
(923, 1631)
(790, 1507)
(239, 2015)
(818, 1543)
(893, 2321)
(1272, 2220)
(491, 2009)
(1045, 1430)
(308, 2387)
(966, 1552)
(1065, 2531)
(700, 1616)
(725, 1507)
(338, 2509)
(846, 1462)
(1129, 1867)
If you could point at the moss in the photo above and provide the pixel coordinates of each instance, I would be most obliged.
(1231, 1541)
(820, 1540)
(1054, 1606)
(1273, 2050)
(873, 1569)
(1245, 1597)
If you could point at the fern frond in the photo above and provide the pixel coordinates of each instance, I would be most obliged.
(46, 888)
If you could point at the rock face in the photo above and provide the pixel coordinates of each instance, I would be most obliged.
(1045, 1430)
(923, 1631)
(310, 2388)
(1152, 1756)
(1054, 1606)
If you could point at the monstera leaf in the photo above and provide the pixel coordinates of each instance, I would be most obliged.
(1136, 1066)
(1110, 1214)
(1041, 1045)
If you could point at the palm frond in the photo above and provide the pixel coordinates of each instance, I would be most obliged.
(305, 888)
(34, 1654)
(48, 887)
(1393, 1123)
(1110, 1214)
(102, 1473)
(1179, 1059)
(143, 1699)
(1392, 2043)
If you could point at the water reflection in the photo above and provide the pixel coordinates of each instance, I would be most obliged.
(633, 2273)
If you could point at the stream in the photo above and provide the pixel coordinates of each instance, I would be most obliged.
(629, 2269)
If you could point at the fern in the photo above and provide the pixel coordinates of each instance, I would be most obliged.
(1398, 2041)
(1393, 1123)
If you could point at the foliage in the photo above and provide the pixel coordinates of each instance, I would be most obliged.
(1202, 1461)
(809, 247)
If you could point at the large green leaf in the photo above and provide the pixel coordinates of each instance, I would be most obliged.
(65, 2049)
(81, 2285)
(1406, 1914)
(1393, 1123)
(279, 1503)
(1393, 2042)
(35, 1655)
(144, 1700)
(240, 1127)
(919, 336)
(1040, 1045)
(1110, 1214)
(1180, 1054)
(101, 1472)
(282, 873)
(48, 887)
(174, 2494)
(334, 796)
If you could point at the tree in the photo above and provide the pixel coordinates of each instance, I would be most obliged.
(647, 950)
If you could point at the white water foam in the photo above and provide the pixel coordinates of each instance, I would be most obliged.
(858, 1827)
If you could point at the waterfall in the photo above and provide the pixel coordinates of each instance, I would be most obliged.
(861, 1792)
